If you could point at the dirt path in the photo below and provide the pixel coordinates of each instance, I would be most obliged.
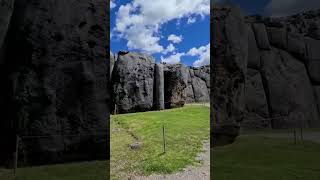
(201, 172)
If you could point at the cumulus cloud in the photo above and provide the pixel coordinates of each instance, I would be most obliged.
(191, 20)
(203, 54)
(174, 38)
(140, 21)
(173, 59)
(170, 48)
(112, 4)
(289, 7)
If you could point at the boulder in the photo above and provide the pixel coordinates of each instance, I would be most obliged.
(229, 65)
(133, 82)
(175, 84)
(190, 94)
(200, 90)
(261, 36)
(296, 45)
(288, 89)
(316, 90)
(55, 81)
(6, 10)
(203, 72)
(313, 59)
(112, 61)
(314, 30)
(257, 110)
(278, 37)
(253, 56)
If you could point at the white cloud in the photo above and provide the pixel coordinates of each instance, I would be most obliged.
(173, 59)
(290, 7)
(191, 20)
(203, 54)
(170, 48)
(174, 38)
(139, 22)
(112, 4)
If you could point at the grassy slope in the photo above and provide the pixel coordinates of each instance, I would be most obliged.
(256, 157)
(185, 129)
(97, 170)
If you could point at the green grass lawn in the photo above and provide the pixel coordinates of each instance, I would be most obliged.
(262, 158)
(185, 127)
(97, 170)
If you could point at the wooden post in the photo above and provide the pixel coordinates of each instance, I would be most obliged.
(164, 138)
(15, 165)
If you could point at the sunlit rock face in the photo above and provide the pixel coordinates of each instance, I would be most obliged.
(55, 78)
(133, 82)
(140, 84)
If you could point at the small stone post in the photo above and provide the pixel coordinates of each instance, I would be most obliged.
(159, 87)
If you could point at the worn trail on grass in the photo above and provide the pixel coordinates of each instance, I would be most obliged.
(201, 172)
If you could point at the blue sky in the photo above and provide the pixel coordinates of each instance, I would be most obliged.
(176, 31)
(172, 31)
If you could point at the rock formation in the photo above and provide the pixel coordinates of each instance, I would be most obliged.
(176, 80)
(277, 59)
(229, 68)
(133, 82)
(159, 87)
(198, 88)
(140, 84)
(54, 75)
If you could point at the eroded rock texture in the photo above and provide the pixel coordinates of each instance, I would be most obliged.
(159, 87)
(133, 82)
(198, 88)
(279, 59)
(175, 83)
(229, 62)
(54, 76)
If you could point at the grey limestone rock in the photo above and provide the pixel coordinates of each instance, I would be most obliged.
(133, 82)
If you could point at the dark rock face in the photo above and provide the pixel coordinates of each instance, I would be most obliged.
(55, 76)
(175, 83)
(6, 9)
(112, 61)
(133, 82)
(289, 69)
(289, 89)
(256, 102)
(229, 64)
(282, 79)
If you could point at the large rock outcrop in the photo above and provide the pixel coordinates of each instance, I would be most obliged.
(141, 84)
(176, 80)
(278, 57)
(257, 111)
(54, 74)
(198, 88)
(133, 82)
(229, 68)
